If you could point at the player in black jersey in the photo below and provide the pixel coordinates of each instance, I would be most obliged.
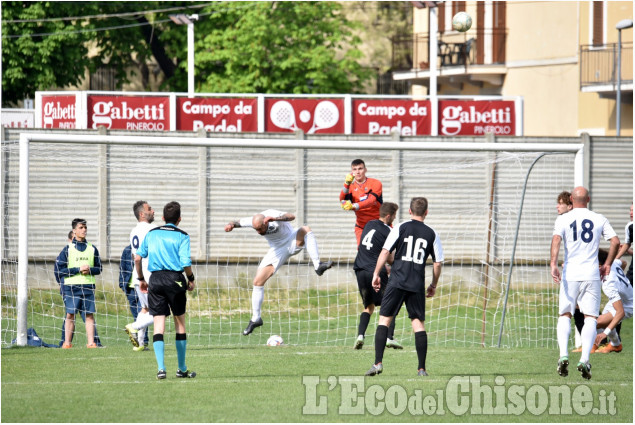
(371, 242)
(412, 241)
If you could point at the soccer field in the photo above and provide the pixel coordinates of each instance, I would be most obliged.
(314, 384)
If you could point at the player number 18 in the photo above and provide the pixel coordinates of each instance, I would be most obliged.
(415, 252)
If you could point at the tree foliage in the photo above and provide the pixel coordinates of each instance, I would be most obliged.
(247, 47)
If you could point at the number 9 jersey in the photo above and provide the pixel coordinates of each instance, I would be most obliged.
(581, 230)
(413, 241)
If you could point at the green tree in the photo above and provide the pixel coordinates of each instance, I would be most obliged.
(269, 47)
(279, 47)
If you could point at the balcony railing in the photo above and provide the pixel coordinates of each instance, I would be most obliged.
(453, 49)
(598, 64)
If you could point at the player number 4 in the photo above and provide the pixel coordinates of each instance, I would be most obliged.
(415, 252)
(368, 240)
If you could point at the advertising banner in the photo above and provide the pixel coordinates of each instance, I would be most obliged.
(58, 112)
(217, 114)
(373, 116)
(476, 117)
(18, 118)
(310, 115)
(148, 113)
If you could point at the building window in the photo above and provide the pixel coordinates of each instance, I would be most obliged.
(597, 23)
(458, 6)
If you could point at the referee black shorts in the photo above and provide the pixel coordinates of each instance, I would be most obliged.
(394, 297)
(366, 290)
(166, 291)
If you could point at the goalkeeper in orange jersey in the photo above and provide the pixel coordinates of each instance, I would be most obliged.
(361, 194)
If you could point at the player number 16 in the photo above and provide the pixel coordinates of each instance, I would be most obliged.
(415, 252)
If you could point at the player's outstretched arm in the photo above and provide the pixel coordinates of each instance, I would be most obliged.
(243, 222)
(283, 217)
(555, 249)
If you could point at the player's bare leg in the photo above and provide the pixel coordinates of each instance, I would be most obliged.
(257, 297)
(305, 238)
(68, 331)
(90, 330)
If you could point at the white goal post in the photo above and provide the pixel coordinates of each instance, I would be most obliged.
(363, 147)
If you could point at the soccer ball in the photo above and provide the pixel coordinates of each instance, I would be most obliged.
(274, 341)
(462, 22)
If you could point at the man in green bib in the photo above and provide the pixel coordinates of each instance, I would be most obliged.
(78, 264)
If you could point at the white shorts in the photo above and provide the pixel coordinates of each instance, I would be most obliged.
(143, 297)
(628, 310)
(586, 294)
(276, 257)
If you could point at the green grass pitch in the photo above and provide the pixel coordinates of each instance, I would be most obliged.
(300, 383)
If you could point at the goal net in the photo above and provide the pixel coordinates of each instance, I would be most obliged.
(474, 193)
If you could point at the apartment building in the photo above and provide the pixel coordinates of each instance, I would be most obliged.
(560, 56)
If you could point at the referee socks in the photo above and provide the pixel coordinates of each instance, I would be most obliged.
(181, 346)
(157, 344)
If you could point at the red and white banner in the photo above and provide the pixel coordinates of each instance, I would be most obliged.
(148, 113)
(18, 118)
(476, 117)
(309, 115)
(409, 117)
(217, 114)
(59, 112)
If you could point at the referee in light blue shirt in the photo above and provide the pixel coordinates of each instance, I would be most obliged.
(168, 251)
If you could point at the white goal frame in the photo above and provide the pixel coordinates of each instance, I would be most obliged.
(27, 138)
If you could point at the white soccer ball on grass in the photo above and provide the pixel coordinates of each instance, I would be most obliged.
(274, 341)
(462, 22)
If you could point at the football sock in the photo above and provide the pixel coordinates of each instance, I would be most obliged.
(157, 343)
(364, 318)
(421, 344)
(257, 296)
(181, 346)
(588, 337)
(391, 329)
(579, 319)
(563, 330)
(614, 337)
(312, 248)
(144, 320)
(618, 328)
(141, 334)
(380, 342)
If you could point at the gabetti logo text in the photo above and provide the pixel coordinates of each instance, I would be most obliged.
(55, 111)
(105, 112)
(453, 118)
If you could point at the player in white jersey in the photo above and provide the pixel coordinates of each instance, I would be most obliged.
(620, 305)
(580, 230)
(137, 330)
(284, 241)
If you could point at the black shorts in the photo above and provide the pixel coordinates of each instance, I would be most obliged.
(166, 291)
(366, 290)
(394, 297)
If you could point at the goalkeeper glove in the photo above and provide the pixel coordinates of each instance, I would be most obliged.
(349, 179)
(347, 205)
